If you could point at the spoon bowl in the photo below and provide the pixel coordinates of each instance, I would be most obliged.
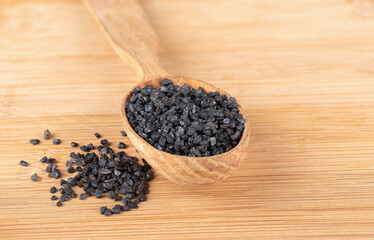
(126, 26)
(185, 170)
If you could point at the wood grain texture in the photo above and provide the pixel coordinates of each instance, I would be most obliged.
(302, 70)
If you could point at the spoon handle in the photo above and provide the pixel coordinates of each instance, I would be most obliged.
(126, 26)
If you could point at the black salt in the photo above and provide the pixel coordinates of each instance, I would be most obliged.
(185, 121)
(47, 134)
(23, 163)
(121, 145)
(34, 141)
(53, 190)
(34, 177)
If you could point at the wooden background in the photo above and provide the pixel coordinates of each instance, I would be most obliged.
(302, 70)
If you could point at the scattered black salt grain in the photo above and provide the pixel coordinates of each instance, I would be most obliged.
(56, 141)
(65, 197)
(103, 209)
(53, 197)
(56, 173)
(23, 163)
(74, 144)
(123, 133)
(133, 205)
(50, 160)
(47, 134)
(71, 170)
(142, 197)
(59, 204)
(53, 190)
(84, 148)
(118, 198)
(97, 135)
(104, 142)
(34, 177)
(121, 145)
(116, 209)
(90, 146)
(34, 141)
(125, 208)
(83, 196)
(112, 195)
(48, 169)
(98, 194)
(107, 212)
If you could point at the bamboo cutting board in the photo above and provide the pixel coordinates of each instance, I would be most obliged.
(302, 70)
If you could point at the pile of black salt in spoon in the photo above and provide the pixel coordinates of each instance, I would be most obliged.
(185, 121)
(117, 175)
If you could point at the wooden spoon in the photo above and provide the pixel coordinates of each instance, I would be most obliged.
(126, 26)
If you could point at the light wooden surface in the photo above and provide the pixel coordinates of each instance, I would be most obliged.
(303, 71)
(127, 28)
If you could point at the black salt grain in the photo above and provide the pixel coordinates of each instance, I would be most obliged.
(90, 146)
(53, 190)
(47, 134)
(34, 177)
(97, 135)
(121, 145)
(103, 209)
(83, 196)
(59, 204)
(85, 148)
(98, 194)
(123, 133)
(44, 159)
(104, 142)
(53, 197)
(65, 197)
(23, 163)
(56, 141)
(125, 208)
(107, 212)
(74, 144)
(34, 141)
(48, 169)
(116, 209)
(71, 170)
(56, 173)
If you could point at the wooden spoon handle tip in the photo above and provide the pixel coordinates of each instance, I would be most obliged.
(127, 28)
